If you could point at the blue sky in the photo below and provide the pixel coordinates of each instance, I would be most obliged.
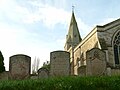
(38, 27)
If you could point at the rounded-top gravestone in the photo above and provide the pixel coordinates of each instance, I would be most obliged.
(20, 66)
(59, 63)
(96, 62)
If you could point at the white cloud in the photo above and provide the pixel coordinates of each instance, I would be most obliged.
(42, 12)
(11, 10)
(4, 3)
(49, 15)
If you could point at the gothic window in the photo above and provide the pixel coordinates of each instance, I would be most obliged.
(116, 46)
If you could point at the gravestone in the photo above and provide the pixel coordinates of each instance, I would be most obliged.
(20, 66)
(59, 63)
(43, 73)
(82, 71)
(96, 62)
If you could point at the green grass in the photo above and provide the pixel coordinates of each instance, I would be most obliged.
(64, 83)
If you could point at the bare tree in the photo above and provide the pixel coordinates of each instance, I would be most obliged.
(35, 65)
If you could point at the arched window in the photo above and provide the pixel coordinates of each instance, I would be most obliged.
(116, 46)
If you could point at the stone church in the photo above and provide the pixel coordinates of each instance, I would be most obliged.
(98, 53)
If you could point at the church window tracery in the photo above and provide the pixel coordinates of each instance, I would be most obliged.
(116, 45)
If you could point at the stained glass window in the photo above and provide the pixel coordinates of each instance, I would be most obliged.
(116, 46)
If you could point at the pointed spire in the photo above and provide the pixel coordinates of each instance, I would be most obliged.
(73, 37)
(73, 20)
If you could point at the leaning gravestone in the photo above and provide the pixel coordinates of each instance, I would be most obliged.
(59, 63)
(20, 66)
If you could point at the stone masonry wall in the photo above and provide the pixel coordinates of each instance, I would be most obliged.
(83, 47)
(108, 34)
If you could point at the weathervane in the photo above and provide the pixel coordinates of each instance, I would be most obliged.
(73, 8)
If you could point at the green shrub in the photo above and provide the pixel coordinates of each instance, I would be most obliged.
(2, 67)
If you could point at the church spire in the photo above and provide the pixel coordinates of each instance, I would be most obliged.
(73, 38)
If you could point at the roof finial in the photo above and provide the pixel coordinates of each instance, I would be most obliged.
(73, 8)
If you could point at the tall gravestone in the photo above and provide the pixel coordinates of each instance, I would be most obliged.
(96, 62)
(20, 66)
(59, 63)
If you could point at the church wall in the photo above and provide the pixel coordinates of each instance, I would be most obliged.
(80, 51)
(71, 60)
(108, 33)
(71, 54)
(77, 54)
(110, 54)
(92, 41)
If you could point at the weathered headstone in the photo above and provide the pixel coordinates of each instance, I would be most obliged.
(43, 73)
(82, 71)
(59, 63)
(96, 62)
(20, 66)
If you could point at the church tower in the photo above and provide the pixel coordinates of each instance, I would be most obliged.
(73, 38)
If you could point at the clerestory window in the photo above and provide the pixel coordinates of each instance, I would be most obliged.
(116, 45)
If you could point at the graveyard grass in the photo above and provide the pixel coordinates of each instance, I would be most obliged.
(64, 83)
